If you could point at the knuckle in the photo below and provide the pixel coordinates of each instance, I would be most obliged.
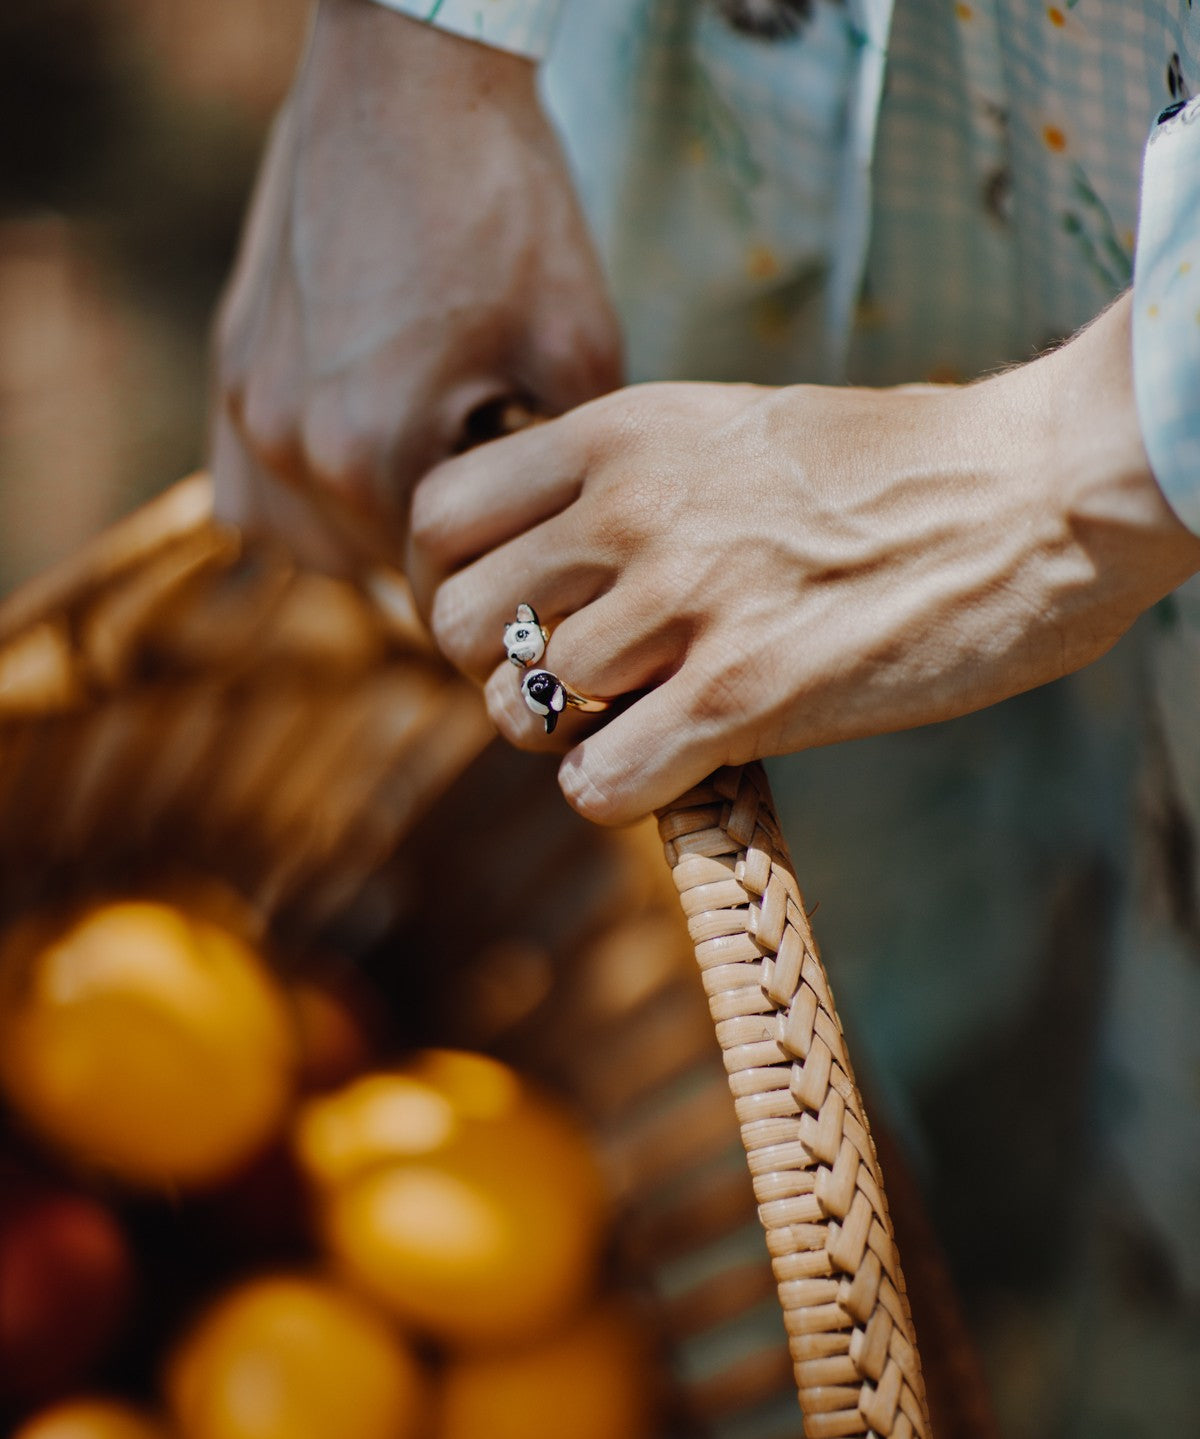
(678, 583)
(231, 382)
(628, 514)
(727, 688)
(428, 526)
(343, 456)
(231, 404)
(267, 423)
(448, 621)
(631, 418)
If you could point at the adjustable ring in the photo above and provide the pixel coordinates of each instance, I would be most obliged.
(525, 641)
(548, 696)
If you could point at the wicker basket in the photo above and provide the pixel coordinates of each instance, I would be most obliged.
(174, 701)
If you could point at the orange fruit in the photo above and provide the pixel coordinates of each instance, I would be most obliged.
(290, 1357)
(91, 1418)
(594, 1380)
(457, 1196)
(155, 1045)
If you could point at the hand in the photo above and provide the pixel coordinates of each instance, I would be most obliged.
(774, 569)
(414, 252)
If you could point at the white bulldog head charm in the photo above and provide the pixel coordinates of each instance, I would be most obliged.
(525, 638)
(545, 695)
(525, 642)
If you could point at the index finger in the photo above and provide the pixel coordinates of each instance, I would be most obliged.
(471, 504)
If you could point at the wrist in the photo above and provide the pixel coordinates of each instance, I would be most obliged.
(1111, 490)
(519, 27)
(392, 58)
(1120, 545)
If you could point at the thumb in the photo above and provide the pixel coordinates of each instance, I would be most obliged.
(642, 759)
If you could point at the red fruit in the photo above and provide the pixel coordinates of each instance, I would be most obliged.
(337, 1018)
(66, 1281)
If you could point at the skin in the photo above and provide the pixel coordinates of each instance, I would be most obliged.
(754, 570)
(414, 251)
(774, 569)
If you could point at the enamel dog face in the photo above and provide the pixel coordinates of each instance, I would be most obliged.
(525, 638)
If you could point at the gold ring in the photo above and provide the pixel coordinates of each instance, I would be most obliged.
(525, 641)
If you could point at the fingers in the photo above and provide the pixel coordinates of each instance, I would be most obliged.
(470, 610)
(631, 762)
(642, 759)
(682, 707)
(572, 374)
(656, 742)
(619, 644)
(606, 651)
(606, 640)
(478, 501)
(248, 496)
(234, 499)
(517, 723)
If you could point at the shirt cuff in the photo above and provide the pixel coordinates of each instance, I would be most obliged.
(1166, 313)
(523, 26)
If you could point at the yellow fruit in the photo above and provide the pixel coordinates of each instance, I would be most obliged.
(457, 1196)
(90, 1418)
(463, 1252)
(592, 1381)
(289, 1357)
(152, 1044)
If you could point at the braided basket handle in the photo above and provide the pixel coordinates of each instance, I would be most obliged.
(812, 1159)
(813, 1163)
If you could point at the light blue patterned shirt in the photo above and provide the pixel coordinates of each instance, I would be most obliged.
(733, 181)
(1166, 321)
(523, 26)
(931, 190)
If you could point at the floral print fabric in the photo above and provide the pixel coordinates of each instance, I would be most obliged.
(1009, 903)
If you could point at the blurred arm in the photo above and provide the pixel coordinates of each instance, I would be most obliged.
(414, 252)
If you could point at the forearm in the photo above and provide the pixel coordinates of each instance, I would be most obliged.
(775, 569)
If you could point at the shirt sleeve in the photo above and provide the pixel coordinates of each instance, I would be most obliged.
(523, 26)
(1166, 316)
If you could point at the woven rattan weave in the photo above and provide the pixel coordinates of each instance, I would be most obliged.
(174, 701)
(816, 1175)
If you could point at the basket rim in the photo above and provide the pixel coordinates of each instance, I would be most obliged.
(171, 515)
